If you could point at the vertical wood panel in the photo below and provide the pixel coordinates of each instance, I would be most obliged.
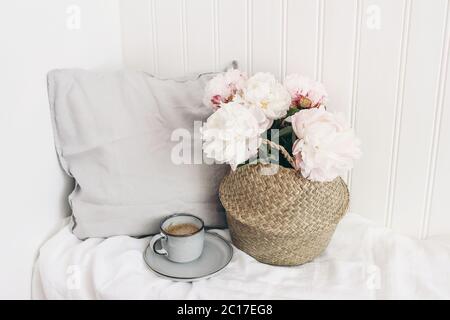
(249, 35)
(338, 58)
(284, 32)
(378, 73)
(136, 21)
(416, 118)
(232, 33)
(301, 37)
(437, 209)
(392, 169)
(439, 223)
(320, 21)
(154, 38)
(169, 33)
(357, 25)
(200, 36)
(266, 37)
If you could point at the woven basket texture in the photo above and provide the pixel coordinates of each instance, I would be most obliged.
(283, 218)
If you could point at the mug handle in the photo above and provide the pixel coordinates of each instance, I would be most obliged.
(155, 240)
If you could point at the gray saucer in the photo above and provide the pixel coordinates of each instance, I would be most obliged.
(217, 253)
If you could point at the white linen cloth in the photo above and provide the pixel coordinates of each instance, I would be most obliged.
(363, 261)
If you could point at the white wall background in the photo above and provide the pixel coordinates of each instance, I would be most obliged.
(384, 63)
(389, 76)
(35, 38)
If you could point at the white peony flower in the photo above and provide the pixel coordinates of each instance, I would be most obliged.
(266, 124)
(223, 87)
(232, 134)
(326, 145)
(264, 91)
(305, 93)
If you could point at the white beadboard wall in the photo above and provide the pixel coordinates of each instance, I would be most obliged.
(384, 63)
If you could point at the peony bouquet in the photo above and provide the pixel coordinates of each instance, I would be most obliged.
(252, 113)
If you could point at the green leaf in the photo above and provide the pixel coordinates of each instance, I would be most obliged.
(292, 111)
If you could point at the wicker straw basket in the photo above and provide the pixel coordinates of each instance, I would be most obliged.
(282, 218)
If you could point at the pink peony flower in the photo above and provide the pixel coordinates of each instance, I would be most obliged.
(223, 87)
(305, 93)
(326, 147)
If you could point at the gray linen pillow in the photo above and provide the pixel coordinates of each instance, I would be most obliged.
(113, 136)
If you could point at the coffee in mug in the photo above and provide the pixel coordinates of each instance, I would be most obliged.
(182, 229)
(182, 236)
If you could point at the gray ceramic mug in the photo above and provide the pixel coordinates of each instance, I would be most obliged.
(180, 248)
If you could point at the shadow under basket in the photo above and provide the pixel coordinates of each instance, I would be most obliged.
(281, 218)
